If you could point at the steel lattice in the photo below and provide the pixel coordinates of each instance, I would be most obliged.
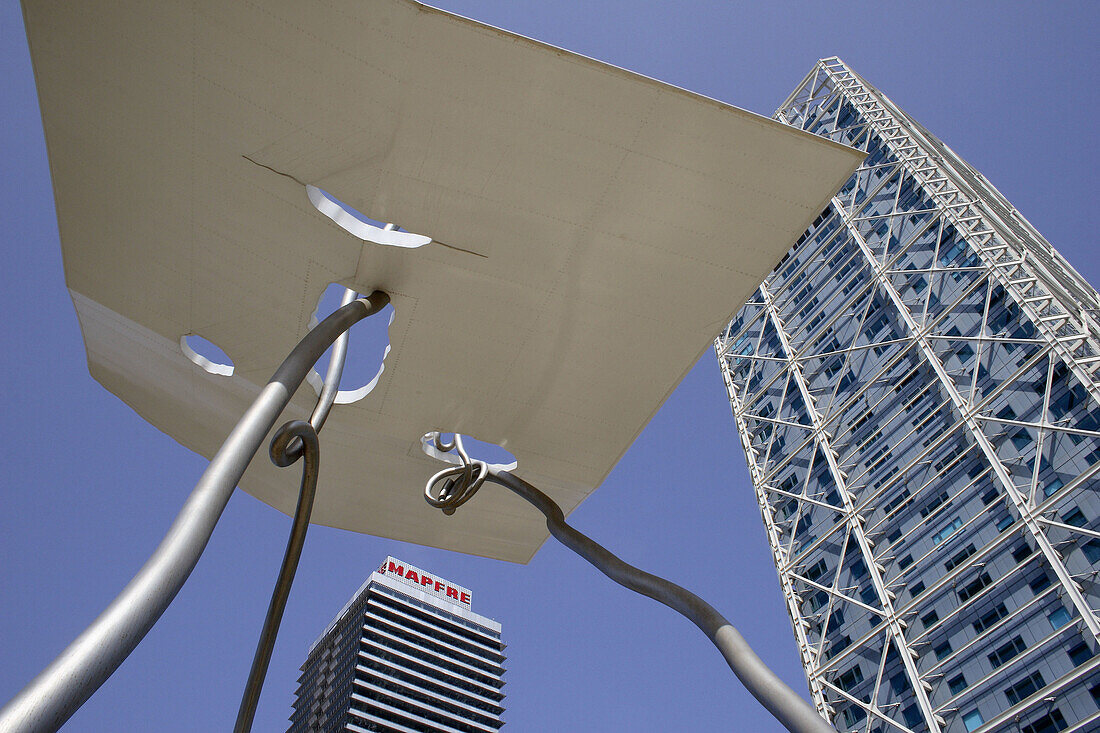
(917, 395)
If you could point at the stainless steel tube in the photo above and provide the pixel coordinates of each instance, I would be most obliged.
(334, 372)
(310, 451)
(790, 709)
(56, 693)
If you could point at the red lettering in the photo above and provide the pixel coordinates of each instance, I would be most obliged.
(424, 580)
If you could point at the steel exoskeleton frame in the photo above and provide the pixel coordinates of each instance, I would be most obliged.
(991, 355)
(60, 689)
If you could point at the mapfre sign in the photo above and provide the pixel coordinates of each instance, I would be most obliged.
(426, 581)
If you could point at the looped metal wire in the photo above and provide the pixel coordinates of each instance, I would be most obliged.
(455, 485)
(285, 450)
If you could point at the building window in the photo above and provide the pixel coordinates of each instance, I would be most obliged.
(1074, 517)
(1040, 584)
(817, 570)
(1051, 486)
(958, 557)
(974, 587)
(935, 504)
(929, 618)
(1092, 551)
(1049, 723)
(1059, 618)
(895, 502)
(836, 620)
(1006, 652)
(850, 679)
(1025, 687)
(803, 524)
(989, 619)
(899, 683)
(1022, 439)
(956, 684)
(836, 646)
(947, 530)
(943, 650)
(853, 715)
(1080, 654)
(973, 720)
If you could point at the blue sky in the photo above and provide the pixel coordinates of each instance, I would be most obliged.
(89, 488)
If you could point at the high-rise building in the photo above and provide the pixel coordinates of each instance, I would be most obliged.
(405, 654)
(916, 390)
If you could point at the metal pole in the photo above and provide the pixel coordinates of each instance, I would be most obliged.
(796, 715)
(294, 440)
(59, 690)
(334, 372)
(308, 448)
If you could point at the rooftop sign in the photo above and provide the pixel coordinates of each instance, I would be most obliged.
(426, 582)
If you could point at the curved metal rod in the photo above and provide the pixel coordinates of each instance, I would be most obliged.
(459, 482)
(56, 693)
(292, 441)
(306, 437)
(797, 715)
(335, 370)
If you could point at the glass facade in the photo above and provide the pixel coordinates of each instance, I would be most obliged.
(916, 390)
(397, 658)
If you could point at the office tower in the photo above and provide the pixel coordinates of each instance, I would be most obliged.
(916, 390)
(405, 654)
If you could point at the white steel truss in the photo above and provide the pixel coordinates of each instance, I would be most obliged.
(917, 390)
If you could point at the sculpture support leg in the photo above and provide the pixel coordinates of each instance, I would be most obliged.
(294, 440)
(308, 449)
(59, 690)
(795, 713)
(454, 486)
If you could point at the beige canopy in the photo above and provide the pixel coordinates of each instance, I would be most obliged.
(590, 232)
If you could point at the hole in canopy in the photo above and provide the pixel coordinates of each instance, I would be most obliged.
(360, 225)
(479, 450)
(206, 354)
(368, 345)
